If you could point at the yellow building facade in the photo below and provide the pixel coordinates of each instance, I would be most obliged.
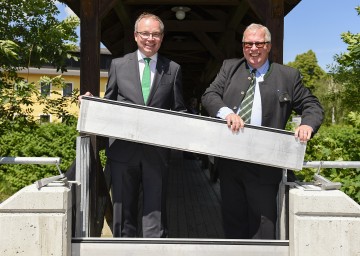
(71, 79)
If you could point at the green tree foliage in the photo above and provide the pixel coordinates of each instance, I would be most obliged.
(31, 36)
(329, 94)
(309, 68)
(347, 71)
(47, 140)
(33, 27)
(337, 143)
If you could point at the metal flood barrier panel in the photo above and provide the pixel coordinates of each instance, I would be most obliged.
(188, 132)
(178, 247)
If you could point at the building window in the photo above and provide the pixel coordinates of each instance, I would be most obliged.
(45, 89)
(67, 90)
(44, 119)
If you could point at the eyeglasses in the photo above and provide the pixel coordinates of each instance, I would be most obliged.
(257, 44)
(146, 35)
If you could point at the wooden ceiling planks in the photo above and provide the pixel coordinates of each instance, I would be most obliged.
(211, 31)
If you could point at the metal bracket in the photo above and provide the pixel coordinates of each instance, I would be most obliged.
(326, 184)
(45, 181)
(319, 183)
(38, 160)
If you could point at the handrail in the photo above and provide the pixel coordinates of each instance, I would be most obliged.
(332, 164)
(321, 182)
(37, 160)
(30, 160)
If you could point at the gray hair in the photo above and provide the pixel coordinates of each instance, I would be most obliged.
(255, 26)
(147, 15)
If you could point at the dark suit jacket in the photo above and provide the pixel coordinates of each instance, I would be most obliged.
(281, 92)
(124, 85)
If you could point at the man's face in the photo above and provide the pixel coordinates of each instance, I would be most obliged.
(256, 55)
(148, 36)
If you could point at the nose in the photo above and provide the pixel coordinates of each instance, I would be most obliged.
(253, 46)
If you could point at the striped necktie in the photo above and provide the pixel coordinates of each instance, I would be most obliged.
(146, 79)
(246, 104)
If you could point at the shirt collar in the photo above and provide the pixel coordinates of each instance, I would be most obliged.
(264, 68)
(142, 56)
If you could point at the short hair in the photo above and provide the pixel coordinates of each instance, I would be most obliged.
(254, 26)
(147, 15)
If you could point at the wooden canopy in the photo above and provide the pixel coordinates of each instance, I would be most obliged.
(210, 32)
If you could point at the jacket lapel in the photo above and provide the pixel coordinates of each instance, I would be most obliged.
(239, 85)
(161, 67)
(134, 65)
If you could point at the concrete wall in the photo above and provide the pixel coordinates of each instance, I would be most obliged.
(37, 222)
(323, 223)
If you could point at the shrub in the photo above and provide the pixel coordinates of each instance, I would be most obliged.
(47, 140)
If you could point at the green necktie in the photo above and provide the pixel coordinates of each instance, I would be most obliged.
(246, 104)
(146, 79)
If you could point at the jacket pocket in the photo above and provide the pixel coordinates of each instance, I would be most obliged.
(284, 97)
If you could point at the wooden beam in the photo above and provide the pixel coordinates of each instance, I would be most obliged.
(228, 40)
(105, 7)
(259, 7)
(186, 46)
(194, 26)
(238, 15)
(122, 14)
(128, 27)
(89, 47)
(275, 23)
(183, 2)
(210, 45)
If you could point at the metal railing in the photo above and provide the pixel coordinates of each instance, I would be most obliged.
(37, 160)
(320, 182)
(332, 164)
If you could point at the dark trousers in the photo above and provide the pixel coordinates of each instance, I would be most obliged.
(249, 205)
(127, 179)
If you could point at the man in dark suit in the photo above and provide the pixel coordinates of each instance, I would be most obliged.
(249, 190)
(133, 164)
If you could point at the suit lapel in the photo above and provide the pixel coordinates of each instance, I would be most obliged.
(239, 85)
(134, 65)
(161, 66)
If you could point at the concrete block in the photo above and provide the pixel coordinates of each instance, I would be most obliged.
(37, 222)
(323, 223)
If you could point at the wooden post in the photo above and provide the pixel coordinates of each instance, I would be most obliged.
(275, 23)
(99, 199)
(89, 47)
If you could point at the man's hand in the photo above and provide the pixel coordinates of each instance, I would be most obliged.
(234, 122)
(86, 94)
(303, 132)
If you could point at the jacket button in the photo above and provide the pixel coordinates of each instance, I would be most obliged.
(242, 92)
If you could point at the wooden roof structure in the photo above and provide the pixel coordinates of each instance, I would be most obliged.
(210, 32)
